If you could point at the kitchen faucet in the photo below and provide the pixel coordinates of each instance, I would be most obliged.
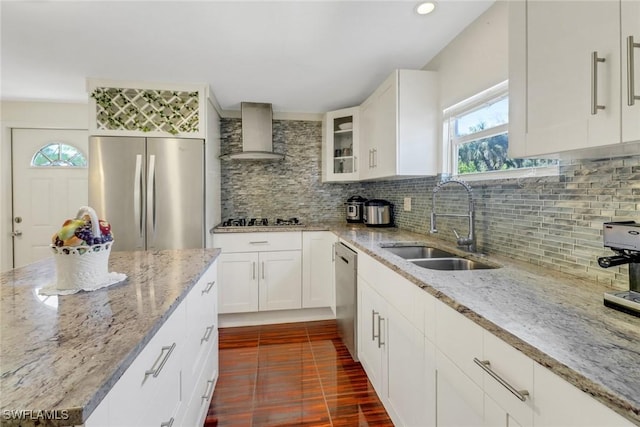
(469, 241)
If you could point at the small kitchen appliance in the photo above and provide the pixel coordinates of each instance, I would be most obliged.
(261, 222)
(355, 207)
(378, 213)
(624, 239)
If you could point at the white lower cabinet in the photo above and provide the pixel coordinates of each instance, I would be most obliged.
(481, 380)
(160, 386)
(318, 287)
(397, 359)
(431, 365)
(259, 271)
(559, 403)
(459, 400)
(371, 317)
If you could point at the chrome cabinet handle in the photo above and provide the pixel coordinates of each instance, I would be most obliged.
(486, 366)
(380, 342)
(259, 242)
(355, 163)
(167, 423)
(207, 334)
(373, 325)
(253, 264)
(262, 269)
(155, 371)
(631, 91)
(209, 390)
(208, 288)
(594, 83)
(375, 157)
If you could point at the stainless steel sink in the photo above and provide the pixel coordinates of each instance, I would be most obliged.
(451, 264)
(418, 252)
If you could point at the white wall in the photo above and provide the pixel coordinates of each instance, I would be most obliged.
(476, 59)
(33, 115)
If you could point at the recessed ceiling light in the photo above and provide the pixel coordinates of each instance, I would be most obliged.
(425, 8)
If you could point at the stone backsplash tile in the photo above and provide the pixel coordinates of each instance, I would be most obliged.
(553, 222)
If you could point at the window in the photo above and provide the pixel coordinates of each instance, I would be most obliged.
(476, 136)
(58, 154)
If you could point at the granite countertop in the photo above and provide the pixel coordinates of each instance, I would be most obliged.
(557, 320)
(62, 354)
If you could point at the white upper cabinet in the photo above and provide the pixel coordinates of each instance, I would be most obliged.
(566, 59)
(399, 127)
(340, 145)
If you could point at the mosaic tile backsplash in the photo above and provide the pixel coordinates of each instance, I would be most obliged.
(554, 222)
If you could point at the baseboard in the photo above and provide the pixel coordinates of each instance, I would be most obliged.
(270, 317)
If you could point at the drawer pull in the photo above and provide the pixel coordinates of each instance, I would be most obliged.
(209, 390)
(167, 423)
(373, 325)
(207, 334)
(208, 288)
(166, 352)
(486, 366)
(380, 342)
(259, 242)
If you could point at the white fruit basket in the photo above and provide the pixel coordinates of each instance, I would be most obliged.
(83, 267)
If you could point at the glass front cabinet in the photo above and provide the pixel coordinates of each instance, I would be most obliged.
(340, 145)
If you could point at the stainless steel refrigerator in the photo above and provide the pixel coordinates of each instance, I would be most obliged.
(151, 190)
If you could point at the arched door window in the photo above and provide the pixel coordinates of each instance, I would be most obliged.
(59, 154)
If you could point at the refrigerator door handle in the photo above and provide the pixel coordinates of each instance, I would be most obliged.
(151, 199)
(137, 195)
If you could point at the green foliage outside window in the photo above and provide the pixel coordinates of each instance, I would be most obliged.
(490, 154)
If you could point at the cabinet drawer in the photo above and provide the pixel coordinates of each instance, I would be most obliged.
(460, 340)
(516, 370)
(258, 242)
(133, 394)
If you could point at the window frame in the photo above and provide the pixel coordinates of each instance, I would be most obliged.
(56, 163)
(451, 142)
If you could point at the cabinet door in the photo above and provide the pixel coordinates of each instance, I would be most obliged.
(367, 133)
(410, 391)
(371, 337)
(385, 139)
(630, 14)
(317, 269)
(340, 145)
(459, 400)
(238, 280)
(561, 37)
(280, 278)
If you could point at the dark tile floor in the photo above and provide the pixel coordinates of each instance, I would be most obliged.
(295, 374)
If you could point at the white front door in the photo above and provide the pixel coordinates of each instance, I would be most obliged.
(44, 196)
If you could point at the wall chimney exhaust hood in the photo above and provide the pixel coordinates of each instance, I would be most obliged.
(257, 133)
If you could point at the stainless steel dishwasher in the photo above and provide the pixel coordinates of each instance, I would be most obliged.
(347, 297)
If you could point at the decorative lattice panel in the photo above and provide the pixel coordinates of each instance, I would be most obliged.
(173, 112)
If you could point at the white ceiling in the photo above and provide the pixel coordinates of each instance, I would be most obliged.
(301, 56)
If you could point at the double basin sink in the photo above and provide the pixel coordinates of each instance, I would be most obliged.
(435, 259)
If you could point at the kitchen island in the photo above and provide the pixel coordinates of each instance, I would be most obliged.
(557, 320)
(60, 356)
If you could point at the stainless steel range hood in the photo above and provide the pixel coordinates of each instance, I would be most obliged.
(257, 133)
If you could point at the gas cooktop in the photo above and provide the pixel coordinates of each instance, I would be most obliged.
(261, 222)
